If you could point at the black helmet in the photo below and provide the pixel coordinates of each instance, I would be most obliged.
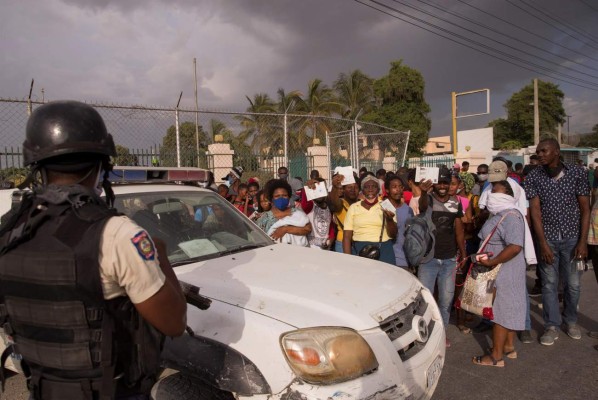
(62, 130)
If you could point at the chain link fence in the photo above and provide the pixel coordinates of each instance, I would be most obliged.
(258, 142)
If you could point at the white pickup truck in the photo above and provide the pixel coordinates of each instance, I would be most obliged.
(285, 322)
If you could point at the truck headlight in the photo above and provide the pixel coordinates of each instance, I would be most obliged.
(327, 355)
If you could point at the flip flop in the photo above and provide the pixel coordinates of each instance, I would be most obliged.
(464, 329)
(509, 354)
(495, 363)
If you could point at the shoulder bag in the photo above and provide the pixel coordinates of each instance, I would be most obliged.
(478, 291)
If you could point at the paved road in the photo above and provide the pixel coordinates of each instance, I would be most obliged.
(566, 370)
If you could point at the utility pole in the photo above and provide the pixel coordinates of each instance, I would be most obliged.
(568, 118)
(196, 113)
(536, 114)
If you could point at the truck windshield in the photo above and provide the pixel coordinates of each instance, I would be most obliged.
(195, 225)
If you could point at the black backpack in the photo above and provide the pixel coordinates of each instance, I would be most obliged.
(420, 237)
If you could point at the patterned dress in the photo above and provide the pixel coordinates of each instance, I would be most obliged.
(510, 303)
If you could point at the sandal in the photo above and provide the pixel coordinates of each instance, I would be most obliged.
(509, 354)
(464, 329)
(495, 363)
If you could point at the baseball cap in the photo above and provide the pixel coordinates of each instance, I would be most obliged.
(497, 171)
(236, 171)
(444, 175)
(457, 166)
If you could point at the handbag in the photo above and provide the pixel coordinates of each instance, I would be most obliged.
(372, 251)
(479, 289)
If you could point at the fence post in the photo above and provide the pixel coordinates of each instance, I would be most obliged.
(406, 145)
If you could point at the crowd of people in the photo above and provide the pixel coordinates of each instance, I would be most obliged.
(537, 216)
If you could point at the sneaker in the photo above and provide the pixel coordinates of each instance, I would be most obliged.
(573, 331)
(525, 337)
(549, 336)
(535, 292)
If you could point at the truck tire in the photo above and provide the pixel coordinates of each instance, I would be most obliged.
(183, 387)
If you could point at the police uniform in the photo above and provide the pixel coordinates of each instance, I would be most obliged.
(71, 269)
(128, 261)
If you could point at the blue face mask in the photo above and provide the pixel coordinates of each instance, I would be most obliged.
(281, 203)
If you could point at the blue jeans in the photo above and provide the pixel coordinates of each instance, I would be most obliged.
(443, 272)
(561, 266)
(338, 246)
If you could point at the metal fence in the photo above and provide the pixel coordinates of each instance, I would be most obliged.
(259, 142)
(432, 161)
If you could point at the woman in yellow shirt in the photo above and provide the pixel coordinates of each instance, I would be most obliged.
(367, 223)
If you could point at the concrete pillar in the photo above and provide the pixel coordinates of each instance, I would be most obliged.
(390, 164)
(220, 159)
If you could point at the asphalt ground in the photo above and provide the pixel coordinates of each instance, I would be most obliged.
(566, 370)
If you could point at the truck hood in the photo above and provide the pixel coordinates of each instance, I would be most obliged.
(305, 287)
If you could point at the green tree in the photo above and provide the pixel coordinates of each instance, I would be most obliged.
(519, 124)
(319, 101)
(124, 156)
(243, 154)
(400, 104)
(590, 140)
(258, 129)
(188, 145)
(354, 93)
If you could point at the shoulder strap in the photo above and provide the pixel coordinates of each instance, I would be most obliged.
(485, 242)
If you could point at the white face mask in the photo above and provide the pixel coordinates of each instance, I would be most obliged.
(483, 177)
(498, 202)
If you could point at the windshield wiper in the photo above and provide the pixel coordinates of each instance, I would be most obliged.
(210, 256)
(239, 249)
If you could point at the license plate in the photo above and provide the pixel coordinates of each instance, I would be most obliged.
(434, 371)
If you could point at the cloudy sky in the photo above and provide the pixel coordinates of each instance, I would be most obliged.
(141, 51)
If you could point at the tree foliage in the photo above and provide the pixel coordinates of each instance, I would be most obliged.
(187, 143)
(519, 124)
(590, 140)
(124, 156)
(400, 104)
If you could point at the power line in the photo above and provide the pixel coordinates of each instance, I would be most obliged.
(548, 74)
(500, 33)
(527, 31)
(482, 44)
(562, 22)
(549, 24)
(589, 5)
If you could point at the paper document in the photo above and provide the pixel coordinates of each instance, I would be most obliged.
(387, 205)
(347, 173)
(427, 173)
(319, 191)
(198, 247)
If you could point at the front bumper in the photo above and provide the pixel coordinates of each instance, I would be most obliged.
(408, 368)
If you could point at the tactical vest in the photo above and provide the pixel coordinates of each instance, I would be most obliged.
(75, 344)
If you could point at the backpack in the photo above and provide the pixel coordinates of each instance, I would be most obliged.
(420, 237)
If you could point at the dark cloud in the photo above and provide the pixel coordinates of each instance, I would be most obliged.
(141, 51)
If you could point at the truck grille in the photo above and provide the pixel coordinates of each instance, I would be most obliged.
(400, 323)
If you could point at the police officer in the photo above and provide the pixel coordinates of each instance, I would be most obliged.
(85, 293)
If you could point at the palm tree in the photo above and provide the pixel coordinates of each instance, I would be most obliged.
(258, 129)
(355, 93)
(318, 102)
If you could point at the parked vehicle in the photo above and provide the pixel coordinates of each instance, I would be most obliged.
(285, 322)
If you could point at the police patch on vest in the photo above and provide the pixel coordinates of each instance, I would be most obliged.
(144, 245)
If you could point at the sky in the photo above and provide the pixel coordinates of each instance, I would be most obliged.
(141, 51)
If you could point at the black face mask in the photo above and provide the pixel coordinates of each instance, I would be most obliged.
(554, 171)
